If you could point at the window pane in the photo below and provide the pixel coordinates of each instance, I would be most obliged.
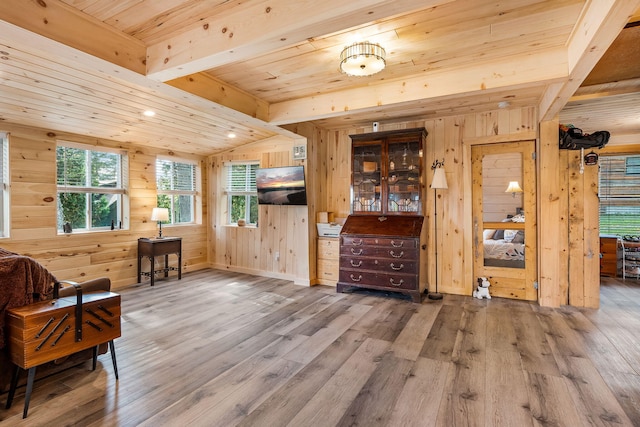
(184, 177)
(72, 208)
(238, 206)
(619, 192)
(182, 209)
(163, 174)
(164, 201)
(242, 177)
(253, 209)
(104, 169)
(72, 166)
(104, 210)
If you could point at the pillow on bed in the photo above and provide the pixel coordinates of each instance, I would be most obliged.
(519, 237)
(498, 235)
(488, 234)
(509, 235)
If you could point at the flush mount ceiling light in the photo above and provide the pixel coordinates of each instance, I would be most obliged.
(362, 59)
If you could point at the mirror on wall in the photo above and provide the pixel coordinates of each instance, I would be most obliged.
(502, 214)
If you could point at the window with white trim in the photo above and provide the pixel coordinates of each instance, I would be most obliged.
(242, 194)
(619, 193)
(4, 191)
(92, 183)
(177, 183)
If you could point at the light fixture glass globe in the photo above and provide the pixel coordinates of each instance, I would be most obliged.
(362, 59)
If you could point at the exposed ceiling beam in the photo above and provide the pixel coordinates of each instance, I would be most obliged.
(598, 27)
(252, 29)
(58, 21)
(522, 71)
(215, 90)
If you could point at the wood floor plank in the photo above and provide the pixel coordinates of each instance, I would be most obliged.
(441, 339)
(551, 403)
(197, 404)
(287, 325)
(373, 406)
(626, 389)
(589, 390)
(421, 395)
(533, 345)
(328, 406)
(220, 348)
(501, 335)
(389, 326)
(597, 345)
(464, 396)
(507, 401)
(287, 401)
(409, 342)
(319, 341)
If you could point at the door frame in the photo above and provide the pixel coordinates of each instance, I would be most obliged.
(524, 281)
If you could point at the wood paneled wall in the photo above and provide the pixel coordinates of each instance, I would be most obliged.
(82, 256)
(569, 222)
(567, 206)
(282, 230)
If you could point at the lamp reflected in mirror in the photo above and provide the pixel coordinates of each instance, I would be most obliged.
(513, 188)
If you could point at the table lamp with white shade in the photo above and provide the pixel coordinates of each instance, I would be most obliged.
(160, 214)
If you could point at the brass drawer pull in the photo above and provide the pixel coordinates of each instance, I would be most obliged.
(396, 245)
(353, 263)
(357, 243)
(393, 267)
(396, 284)
(359, 252)
(353, 279)
(393, 254)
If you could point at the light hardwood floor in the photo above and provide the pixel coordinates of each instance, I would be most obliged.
(224, 349)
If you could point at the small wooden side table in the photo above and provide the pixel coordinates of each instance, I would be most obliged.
(153, 247)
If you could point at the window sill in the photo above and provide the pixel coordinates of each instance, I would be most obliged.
(60, 233)
(238, 226)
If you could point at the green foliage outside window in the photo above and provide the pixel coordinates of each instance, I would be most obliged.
(176, 184)
(241, 190)
(90, 188)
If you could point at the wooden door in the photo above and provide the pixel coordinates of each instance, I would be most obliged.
(504, 222)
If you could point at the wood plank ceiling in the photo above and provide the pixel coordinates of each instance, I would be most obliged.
(249, 66)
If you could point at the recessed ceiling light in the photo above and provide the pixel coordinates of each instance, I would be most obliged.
(231, 135)
(503, 104)
(149, 113)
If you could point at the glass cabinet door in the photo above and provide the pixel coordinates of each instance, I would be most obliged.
(403, 178)
(367, 172)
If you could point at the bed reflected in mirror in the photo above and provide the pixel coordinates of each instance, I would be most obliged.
(503, 218)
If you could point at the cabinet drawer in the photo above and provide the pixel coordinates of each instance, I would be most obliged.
(328, 269)
(328, 249)
(376, 252)
(378, 279)
(382, 265)
(388, 242)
